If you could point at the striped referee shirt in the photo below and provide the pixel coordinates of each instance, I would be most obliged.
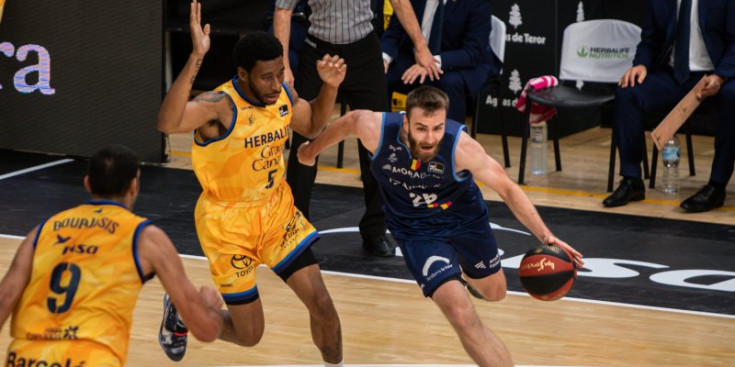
(336, 21)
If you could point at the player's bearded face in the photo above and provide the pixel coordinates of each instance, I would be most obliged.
(424, 151)
(266, 80)
(425, 134)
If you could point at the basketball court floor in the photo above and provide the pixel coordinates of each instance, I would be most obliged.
(658, 288)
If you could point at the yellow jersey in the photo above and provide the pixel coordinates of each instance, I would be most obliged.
(85, 281)
(246, 163)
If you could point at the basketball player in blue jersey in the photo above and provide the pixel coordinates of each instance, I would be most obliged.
(425, 166)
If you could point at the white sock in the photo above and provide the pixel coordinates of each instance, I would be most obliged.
(340, 364)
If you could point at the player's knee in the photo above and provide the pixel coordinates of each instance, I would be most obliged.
(462, 316)
(249, 337)
(323, 307)
(493, 291)
(496, 293)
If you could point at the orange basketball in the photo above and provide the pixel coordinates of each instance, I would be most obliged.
(547, 272)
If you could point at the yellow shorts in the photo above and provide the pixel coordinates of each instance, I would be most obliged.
(237, 237)
(60, 353)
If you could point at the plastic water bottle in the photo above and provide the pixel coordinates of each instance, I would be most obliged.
(539, 153)
(670, 156)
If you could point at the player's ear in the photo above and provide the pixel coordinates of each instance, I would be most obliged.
(242, 73)
(86, 184)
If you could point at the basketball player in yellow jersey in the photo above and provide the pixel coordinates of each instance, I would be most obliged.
(245, 215)
(73, 284)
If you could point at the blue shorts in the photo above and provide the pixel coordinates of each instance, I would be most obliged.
(434, 260)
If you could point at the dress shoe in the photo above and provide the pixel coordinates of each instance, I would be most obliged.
(707, 198)
(630, 189)
(379, 246)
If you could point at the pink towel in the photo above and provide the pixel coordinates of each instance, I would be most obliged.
(538, 112)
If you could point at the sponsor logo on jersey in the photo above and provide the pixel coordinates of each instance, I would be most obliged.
(243, 264)
(436, 167)
(267, 138)
(60, 240)
(430, 261)
(15, 361)
(283, 110)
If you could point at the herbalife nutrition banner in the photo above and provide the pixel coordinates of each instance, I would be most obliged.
(598, 45)
(533, 45)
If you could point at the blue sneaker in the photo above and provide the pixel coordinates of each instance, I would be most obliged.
(173, 333)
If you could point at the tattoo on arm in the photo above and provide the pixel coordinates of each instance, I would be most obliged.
(211, 97)
(196, 70)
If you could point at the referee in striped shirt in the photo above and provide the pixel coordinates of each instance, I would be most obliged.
(344, 28)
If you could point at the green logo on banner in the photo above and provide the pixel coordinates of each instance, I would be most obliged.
(582, 51)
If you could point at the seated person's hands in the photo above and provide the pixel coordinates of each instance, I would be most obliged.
(414, 72)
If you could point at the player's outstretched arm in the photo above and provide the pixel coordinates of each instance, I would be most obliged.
(470, 156)
(177, 115)
(15, 280)
(363, 124)
(201, 311)
(310, 118)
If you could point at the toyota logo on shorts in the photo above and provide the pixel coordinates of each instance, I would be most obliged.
(240, 261)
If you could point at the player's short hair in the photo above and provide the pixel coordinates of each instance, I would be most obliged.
(256, 46)
(111, 170)
(428, 98)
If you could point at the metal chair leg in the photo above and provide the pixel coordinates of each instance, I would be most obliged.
(654, 164)
(611, 169)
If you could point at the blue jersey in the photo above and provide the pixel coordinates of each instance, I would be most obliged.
(429, 198)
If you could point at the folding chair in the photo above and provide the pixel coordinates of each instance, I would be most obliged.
(597, 51)
(492, 88)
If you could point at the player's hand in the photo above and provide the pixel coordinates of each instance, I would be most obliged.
(211, 297)
(199, 35)
(426, 60)
(551, 239)
(712, 84)
(306, 157)
(332, 70)
(416, 71)
(636, 74)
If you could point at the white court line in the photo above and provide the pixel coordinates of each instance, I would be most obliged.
(572, 299)
(35, 168)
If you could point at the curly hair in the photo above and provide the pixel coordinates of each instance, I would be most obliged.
(256, 46)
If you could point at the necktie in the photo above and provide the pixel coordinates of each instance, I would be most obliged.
(681, 52)
(435, 36)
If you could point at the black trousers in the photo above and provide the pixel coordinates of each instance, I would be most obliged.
(364, 87)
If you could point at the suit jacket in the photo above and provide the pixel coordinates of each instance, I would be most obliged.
(465, 45)
(717, 21)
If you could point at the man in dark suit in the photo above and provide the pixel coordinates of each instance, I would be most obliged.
(459, 41)
(681, 42)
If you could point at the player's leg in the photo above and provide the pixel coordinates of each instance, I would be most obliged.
(491, 288)
(286, 250)
(309, 286)
(480, 260)
(244, 323)
(481, 344)
(435, 266)
(229, 239)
